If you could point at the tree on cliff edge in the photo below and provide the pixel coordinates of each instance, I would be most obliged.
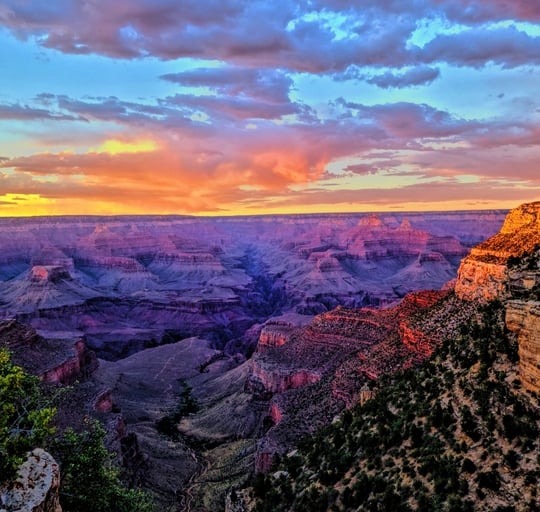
(25, 418)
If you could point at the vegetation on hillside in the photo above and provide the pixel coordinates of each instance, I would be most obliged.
(25, 418)
(455, 434)
(90, 481)
(168, 424)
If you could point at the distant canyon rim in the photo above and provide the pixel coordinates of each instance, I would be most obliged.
(127, 283)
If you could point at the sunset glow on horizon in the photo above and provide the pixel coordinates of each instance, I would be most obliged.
(254, 107)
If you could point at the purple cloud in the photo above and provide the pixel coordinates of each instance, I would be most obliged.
(26, 113)
(410, 120)
(475, 47)
(262, 84)
(282, 34)
(421, 75)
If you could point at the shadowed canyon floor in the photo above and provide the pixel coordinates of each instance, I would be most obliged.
(223, 310)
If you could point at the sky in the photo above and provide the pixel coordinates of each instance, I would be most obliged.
(240, 107)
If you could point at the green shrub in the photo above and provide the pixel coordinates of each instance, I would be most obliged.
(90, 481)
(25, 417)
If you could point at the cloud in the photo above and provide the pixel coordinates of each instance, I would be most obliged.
(508, 47)
(421, 75)
(261, 84)
(410, 120)
(375, 167)
(481, 11)
(238, 93)
(318, 37)
(26, 113)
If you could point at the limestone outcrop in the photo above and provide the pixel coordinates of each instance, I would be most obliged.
(36, 488)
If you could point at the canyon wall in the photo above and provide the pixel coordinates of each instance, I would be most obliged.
(523, 319)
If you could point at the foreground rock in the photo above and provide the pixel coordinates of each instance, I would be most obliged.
(36, 488)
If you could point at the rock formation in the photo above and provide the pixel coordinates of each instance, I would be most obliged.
(483, 274)
(172, 277)
(325, 365)
(62, 359)
(36, 487)
(506, 267)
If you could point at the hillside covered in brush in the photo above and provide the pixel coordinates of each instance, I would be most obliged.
(456, 434)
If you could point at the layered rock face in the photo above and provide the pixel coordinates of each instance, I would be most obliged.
(62, 360)
(483, 274)
(171, 277)
(324, 366)
(36, 488)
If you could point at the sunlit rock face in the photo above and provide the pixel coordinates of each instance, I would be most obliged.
(309, 372)
(523, 318)
(483, 275)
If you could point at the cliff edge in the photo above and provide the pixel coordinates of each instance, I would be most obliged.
(483, 274)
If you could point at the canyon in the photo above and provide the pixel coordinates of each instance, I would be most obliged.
(275, 324)
(473, 405)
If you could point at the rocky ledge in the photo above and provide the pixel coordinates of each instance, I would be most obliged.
(62, 359)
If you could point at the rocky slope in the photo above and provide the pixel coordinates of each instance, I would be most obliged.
(327, 365)
(454, 434)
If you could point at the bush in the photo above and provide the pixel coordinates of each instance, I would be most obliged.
(168, 425)
(90, 482)
(25, 418)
